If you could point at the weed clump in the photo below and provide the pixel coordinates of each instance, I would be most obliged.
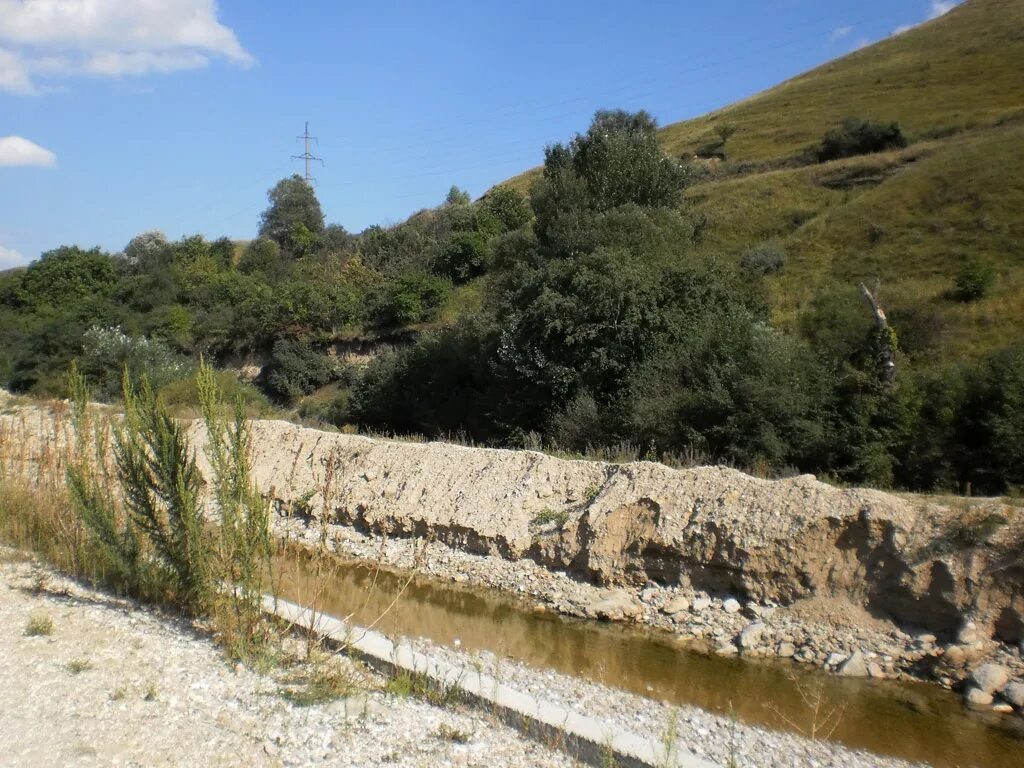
(548, 515)
(39, 625)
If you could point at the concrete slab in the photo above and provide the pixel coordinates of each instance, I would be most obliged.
(585, 738)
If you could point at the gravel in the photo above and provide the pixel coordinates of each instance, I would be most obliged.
(116, 684)
(812, 632)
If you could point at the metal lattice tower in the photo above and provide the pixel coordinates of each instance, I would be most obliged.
(306, 155)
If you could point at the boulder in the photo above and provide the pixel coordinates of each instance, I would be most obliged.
(976, 697)
(855, 666)
(615, 605)
(676, 605)
(1014, 693)
(990, 677)
(732, 605)
(835, 659)
(750, 636)
(786, 650)
(701, 604)
(968, 634)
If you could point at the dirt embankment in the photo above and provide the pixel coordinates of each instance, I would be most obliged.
(714, 529)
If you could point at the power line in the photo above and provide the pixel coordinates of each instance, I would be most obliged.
(306, 155)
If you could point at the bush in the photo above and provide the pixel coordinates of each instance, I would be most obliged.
(973, 281)
(860, 137)
(415, 297)
(150, 522)
(184, 394)
(296, 369)
(464, 256)
(508, 206)
(107, 352)
(763, 259)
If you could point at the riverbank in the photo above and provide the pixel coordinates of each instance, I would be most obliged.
(112, 682)
(90, 679)
(859, 582)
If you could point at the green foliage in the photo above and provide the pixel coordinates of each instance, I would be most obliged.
(457, 196)
(509, 206)
(547, 515)
(242, 546)
(109, 350)
(293, 217)
(860, 137)
(973, 281)
(261, 255)
(763, 259)
(296, 368)
(463, 257)
(148, 520)
(161, 486)
(414, 297)
(67, 277)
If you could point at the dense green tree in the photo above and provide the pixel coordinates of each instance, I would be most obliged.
(509, 206)
(463, 256)
(296, 368)
(293, 215)
(68, 278)
(457, 196)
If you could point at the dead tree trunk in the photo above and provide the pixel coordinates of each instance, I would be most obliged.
(885, 337)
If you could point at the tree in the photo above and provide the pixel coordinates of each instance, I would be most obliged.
(293, 211)
(508, 206)
(457, 196)
(617, 162)
(463, 256)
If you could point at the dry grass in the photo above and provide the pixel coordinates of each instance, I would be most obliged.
(911, 217)
(39, 625)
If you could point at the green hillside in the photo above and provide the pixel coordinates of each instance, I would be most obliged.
(911, 217)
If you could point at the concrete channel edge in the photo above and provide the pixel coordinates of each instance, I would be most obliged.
(590, 740)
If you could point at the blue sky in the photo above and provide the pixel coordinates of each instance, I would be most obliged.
(119, 117)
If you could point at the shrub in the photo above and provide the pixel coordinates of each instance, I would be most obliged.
(109, 351)
(415, 297)
(148, 518)
(860, 137)
(464, 256)
(763, 259)
(973, 281)
(296, 368)
(508, 206)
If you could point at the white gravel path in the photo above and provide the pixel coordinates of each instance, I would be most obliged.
(155, 693)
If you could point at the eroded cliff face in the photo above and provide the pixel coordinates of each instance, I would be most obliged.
(712, 528)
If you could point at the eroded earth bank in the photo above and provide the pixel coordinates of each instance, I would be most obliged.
(861, 582)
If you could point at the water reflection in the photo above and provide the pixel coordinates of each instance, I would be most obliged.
(912, 721)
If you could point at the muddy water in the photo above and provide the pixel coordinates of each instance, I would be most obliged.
(914, 721)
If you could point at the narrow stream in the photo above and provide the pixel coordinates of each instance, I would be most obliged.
(914, 721)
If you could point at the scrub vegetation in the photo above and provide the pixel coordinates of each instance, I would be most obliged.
(691, 291)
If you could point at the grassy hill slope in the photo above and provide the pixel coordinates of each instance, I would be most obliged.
(962, 70)
(913, 217)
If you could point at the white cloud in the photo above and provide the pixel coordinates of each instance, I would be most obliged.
(109, 38)
(839, 33)
(15, 150)
(10, 258)
(941, 8)
(862, 43)
(936, 8)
